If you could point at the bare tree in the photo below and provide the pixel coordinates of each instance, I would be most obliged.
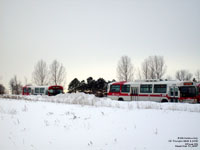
(15, 86)
(154, 67)
(152, 71)
(189, 76)
(180, 75)
(145, 69)
(160, 67)
(40, 73)
(57, 73)
(183, 75)
(197, 75)
(125, 69)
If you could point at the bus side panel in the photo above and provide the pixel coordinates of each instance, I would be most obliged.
(113, 97)
(143, 97)
(125, 97)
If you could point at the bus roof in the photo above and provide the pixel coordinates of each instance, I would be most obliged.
(171, 82)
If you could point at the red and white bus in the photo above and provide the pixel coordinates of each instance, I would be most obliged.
(42, 90)
(153, 90)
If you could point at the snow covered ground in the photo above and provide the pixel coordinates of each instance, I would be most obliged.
(80, 121)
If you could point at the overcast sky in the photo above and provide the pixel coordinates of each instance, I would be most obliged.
(90, 36)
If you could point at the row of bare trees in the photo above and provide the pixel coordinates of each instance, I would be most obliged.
(15, 86)
(153, 67)
(183, 75)
(42, 75)
(55, 74)
(197, 75)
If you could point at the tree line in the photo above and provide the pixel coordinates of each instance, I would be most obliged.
(91, 86)
(54, 74)
(153, 67)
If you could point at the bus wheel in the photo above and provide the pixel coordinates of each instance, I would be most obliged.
(164, 101)
(120, 99)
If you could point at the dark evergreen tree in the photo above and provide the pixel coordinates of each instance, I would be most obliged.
(100, 84)
(90, 83)
(83, 86)
(93, 86)
(2, 89)
(98, 87)
(74, 85)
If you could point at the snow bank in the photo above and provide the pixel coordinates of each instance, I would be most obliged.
(35, 125)
(91, 100)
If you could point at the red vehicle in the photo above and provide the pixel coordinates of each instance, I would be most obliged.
(42, 90)
(198, 90)
(154, 90)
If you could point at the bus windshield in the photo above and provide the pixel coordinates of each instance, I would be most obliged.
(27, 90)
(187, 91)
(54, 90)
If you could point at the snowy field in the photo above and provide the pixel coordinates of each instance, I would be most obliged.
(84, 122)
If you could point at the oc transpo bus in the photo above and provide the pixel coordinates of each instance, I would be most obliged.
(42, 90)
(154, 90)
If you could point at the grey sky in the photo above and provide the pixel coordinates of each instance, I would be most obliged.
(90, 36)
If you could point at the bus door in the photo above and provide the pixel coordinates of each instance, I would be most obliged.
(33, 91)
(134, 93)
(174, 93)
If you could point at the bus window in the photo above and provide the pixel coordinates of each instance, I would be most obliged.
(146, 88)
(42, 90)
(37, 90)
(176, 91)
(171, 91)
(29, 90)
(125, 88)
(114, 88)
(161, 88)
